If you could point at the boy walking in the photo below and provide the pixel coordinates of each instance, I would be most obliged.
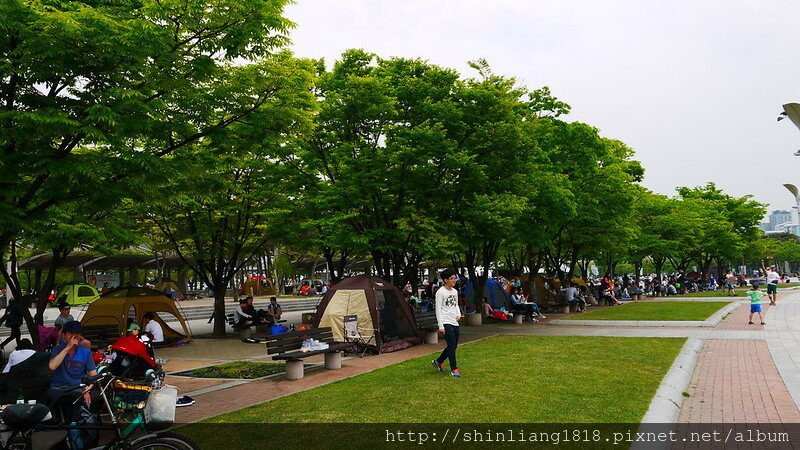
(755, 303)
(447, 315)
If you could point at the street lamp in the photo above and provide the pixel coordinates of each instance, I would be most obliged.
(792, 111)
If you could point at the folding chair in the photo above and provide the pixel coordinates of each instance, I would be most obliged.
(352, 334)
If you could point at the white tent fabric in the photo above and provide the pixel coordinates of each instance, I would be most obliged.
(347, 302)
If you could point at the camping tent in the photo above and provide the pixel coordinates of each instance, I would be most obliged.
(381, 309)
(258, 285)
(162, 284)
(77, 294)
(493, 291)
(118, 306)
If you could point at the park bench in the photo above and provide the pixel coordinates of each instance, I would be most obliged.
(428, 326)
(286, 346)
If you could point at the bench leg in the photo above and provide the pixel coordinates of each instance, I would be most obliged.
(432, 337)
(333, 360)
(518, 318)
(294, 370)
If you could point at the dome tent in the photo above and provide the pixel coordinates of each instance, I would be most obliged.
(380, 306)
(492, 291)
(114, 308)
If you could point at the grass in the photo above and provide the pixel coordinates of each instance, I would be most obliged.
(658, 310)
(237, 369)
(506, 379)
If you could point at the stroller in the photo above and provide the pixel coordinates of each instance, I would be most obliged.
(132, 360)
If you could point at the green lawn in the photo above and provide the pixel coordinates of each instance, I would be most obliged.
(237, 369)
(519, 379)
(655, 310)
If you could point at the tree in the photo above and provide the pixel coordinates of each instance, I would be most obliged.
(379, 163)
(729, 223)
(244, 200)
(124, 83)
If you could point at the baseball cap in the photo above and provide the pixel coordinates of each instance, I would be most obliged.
(134, 327)
(73, 326)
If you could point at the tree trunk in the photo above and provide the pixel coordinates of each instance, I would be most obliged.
(220, 320)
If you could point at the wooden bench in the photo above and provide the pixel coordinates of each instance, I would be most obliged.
(286, 346)
(428, 326)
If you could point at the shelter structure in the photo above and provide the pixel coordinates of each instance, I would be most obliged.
(380, 307)
(122, 306)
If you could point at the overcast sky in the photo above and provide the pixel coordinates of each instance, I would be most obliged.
(694, 87)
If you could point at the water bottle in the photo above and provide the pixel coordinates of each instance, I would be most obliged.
(20, 398)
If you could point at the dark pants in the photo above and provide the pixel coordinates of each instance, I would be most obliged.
(15, 334)
(451, 337)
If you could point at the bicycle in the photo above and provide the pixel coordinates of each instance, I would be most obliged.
(24, 421)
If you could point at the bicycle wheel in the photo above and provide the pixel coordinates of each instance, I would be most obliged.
(165, 441)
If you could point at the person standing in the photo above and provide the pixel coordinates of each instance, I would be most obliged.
(772, 285)
(730, 283)
(13, 319)
(755, 303)
(447, 315)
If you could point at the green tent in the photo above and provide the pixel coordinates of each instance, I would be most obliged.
(77, 294)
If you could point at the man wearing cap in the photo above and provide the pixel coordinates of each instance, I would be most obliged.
(70, 360)
(64, 316)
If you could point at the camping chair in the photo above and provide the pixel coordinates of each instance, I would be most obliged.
(351, 334)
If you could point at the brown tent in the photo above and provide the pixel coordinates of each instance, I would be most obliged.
(121, 306)
(380, 306)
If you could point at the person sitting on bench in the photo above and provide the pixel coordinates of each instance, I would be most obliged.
(24, 351)
(241, 319)
(258, 317)
(274, 311)
(520, 304)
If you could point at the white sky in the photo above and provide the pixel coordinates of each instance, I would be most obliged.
(694, 87)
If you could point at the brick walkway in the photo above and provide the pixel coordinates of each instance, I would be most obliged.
(737, 381)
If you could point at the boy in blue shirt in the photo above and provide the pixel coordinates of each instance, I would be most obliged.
(755, 303)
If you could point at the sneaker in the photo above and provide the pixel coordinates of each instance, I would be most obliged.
(763, 323)
(750, 323)
(542, 316)
(455, 373)
(185, 401)
(437, 366)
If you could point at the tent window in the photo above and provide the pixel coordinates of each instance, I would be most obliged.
(85, 291)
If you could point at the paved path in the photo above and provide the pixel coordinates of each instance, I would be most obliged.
(744, 372)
